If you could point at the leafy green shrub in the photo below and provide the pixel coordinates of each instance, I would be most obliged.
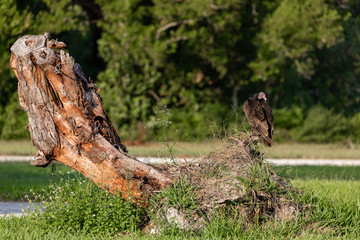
(355, 127)
(13, 121)
(77, 204)
(181, 195)
(282, 135)
(322, 125)
(287, 118)
(198, 124)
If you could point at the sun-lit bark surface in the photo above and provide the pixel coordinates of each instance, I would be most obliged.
(68, 124)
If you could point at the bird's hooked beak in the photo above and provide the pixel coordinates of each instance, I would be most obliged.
(261, 95)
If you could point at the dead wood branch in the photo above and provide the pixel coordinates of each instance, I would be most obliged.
(68, 123)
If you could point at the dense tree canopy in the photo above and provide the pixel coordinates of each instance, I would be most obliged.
(188, 65)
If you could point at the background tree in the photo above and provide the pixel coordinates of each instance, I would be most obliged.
(288, 44)
(28, 17)
(189, 55)
(187, 66)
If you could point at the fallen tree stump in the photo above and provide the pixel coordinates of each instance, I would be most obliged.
(67, 122)
(235, 180)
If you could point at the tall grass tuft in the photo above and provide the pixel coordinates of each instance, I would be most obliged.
(77, 204)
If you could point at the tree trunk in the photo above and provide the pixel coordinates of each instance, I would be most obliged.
(68, 124)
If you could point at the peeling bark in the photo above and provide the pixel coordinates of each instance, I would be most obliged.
(67, 122)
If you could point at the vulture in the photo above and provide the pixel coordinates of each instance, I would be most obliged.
(260, 117)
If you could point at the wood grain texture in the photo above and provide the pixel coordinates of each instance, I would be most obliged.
(68, 123)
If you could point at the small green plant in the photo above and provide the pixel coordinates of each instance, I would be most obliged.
(225, 222)
(77, 204)
(181, 195)
(261, 178)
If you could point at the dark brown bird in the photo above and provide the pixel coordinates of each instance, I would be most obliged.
(260, 117)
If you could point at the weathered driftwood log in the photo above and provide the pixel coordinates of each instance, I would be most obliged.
(68, 124)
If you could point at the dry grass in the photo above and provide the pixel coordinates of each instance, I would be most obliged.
(18, 147)
(177, 149)
(233, 177)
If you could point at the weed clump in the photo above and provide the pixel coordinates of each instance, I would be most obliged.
(76, 204)
(236, 181)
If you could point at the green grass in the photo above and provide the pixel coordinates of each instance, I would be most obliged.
(330, 151)
(332, 192)
(18, 178)
(76, 204)
(334, 213)
(196, 149)
(22, 228)
(321, 172)
(335, 204)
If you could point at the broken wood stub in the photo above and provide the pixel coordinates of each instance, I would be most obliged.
(68, 123)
